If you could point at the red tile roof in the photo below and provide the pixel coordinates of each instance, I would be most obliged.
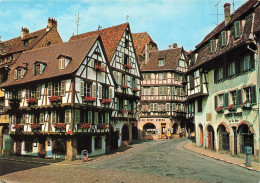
(171, 57)
(110, 36)
(140, 40)
(77, 50)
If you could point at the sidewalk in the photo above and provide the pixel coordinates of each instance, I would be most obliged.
(46, 161)
(222, 157)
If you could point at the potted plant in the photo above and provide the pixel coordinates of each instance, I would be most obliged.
(220, 109)
(123, 111)
(246, 105)
(55, 99)
(99, 68)
(106, 101)
(102, 126)
(18, 127)
(59, 126)
(89, 99)
(36, 126)
(232, 107)
(127, 66)
(124, 86)
(84, 125)
(32, 102)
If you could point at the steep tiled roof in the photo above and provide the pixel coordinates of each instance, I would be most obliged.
(140, 40)
(110, 36)
(77, 50)
(203, 49)
(257, 19)
(17, 44)
(171, 57)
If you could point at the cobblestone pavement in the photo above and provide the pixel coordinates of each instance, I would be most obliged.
(153, 161)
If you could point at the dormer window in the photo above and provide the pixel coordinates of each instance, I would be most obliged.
(63, 61)
(212, 45)
(237, 26)
(223, 38)
(19, 72)
(25, 42)
(39, 67)
(181, 63)
(161, 62)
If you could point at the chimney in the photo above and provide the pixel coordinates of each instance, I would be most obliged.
(25, 31)
(51, 23)
(169, 47)
(174, 45)
(227, 12)
(146, 53)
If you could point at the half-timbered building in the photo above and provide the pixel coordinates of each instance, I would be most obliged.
(120, 51)
(162, 105)
(223, 83)
(10, 50)
(60, 100)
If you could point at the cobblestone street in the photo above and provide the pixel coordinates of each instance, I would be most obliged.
(153, 161)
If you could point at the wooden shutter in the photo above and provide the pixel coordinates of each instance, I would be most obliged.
(82, 88)
(63, 88)
(223, 38)
(53, 116)
(77, 116)
(239, 97)
(49, 89)
(212, 46)
(216, 101)
(96, 118)
(110, 93)
(226, 101)
(100, 91)
(237, 29)
(253, 90)
(192, 81)
(122, 58)
(15, 74)
(94, 90)
(90, 117)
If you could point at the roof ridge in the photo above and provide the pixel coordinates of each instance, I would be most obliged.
(166, 49)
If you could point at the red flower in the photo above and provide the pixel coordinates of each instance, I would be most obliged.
(135, 89)
(123, 111)
(84, 125)
(55, 98)
(18, 127)
(102, 126)
(89, 99)
(60, 126)
(35, 126)
(106, 101)
(99, 68)
(131, 112)
(127, 66)
(124, 86)
(31, 101)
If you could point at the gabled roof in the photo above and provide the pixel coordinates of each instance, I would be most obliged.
(140, 40)
(171, 57)
(76, 49)
(110, 36)
(203, 48)
(17, 44)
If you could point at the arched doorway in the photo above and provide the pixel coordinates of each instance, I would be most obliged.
(125, 133)
(211, 139)
(201, 134)
(175, 128)
(149, 129)
(246, 138)
(223, 138)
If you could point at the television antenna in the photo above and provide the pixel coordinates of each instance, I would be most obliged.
(216, 5)
(77, 22)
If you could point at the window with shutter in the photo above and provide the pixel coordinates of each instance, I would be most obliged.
(212, 46)
(41, 117)
(237, 29)
(192, 83)
(110, 93)
(94, 91)
(38, 92)
(99, 91)
(96, 118)
(246, 63)
(168, 107)
(122, 58)
(223, 38)
(53, 116)
(173, 106)
(77, 116)
(221, 100)
(91, 62)
(233, 97)
(88, 89)
(164, 75)
(90, 117)
(49, 89)
(82, 88)
(253, 90)
(239, 97)
(63, 88)
(226, 101)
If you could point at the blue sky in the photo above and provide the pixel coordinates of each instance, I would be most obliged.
(185, 22)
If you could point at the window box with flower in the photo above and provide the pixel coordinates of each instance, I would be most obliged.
(124, 86)
(246, 105)
(99, 68)
(106, 101)
(131, 112)
(232, 107)
(220, 109)
(89, 99)
(84, 126)
(18, 127)
(55, 100)
(103, 126)
(36, 126)
(59, 126)
(122, 111)
(32, 102)
(127, 66)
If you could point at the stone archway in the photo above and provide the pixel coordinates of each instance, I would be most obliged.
(211, 137)
(201, 134)
(246, 137)
(223, 135)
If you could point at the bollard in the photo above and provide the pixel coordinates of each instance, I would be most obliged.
(248, 151)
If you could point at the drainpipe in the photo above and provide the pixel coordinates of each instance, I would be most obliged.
(258, 88)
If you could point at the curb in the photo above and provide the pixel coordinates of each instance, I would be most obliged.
(82, 163)
(226, 161)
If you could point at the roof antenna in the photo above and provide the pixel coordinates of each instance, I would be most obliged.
(77, 22)
(99, 27)
(127, 17)
(233, 5)
(216, 5)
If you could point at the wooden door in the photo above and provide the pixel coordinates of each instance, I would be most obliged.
(163, 129)
(201, 135)
(41, 149)
(210, 138)
(18, 148)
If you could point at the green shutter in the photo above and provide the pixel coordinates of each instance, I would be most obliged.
(215, 76)
(223, 38)
(253, 90)
(239, 97)
(216, 101)
(237, 29)
(226, 101)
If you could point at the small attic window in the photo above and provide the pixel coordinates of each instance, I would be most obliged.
(25, 42)
(19, 72)
(181, 63)
(39, 67)
(63, 61)
(161, 62)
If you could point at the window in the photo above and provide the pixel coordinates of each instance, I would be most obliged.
(162, 90)
(160, 76)
(28, 146)
(168, 107)
(174, 92)
(181, 63)
(41, 117)
(246, 63)
(100, 117)
(62, 63)
(77, 116)
(49, 89)
(212, 46)
(176, 77)
(220, 74)
(161, 62)
(38, 91)
(248, 94)
(233, 97)
(153, 107)
(98, 142)
(82, 87)
(99, 91)
(173, 106)
(196, 74)
(90, 117)
(148, 76)
(19, 94)
(223, 38)
(200, 105)
(237, 26)
(126, 59)
(165, 75)
(232, 69)
(221, 100)
(88, 89)
(27, 93)
(126, 43)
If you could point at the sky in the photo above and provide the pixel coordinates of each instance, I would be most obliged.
(185, 22)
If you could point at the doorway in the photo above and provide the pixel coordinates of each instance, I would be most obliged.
(210, 137)
(163, 129)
